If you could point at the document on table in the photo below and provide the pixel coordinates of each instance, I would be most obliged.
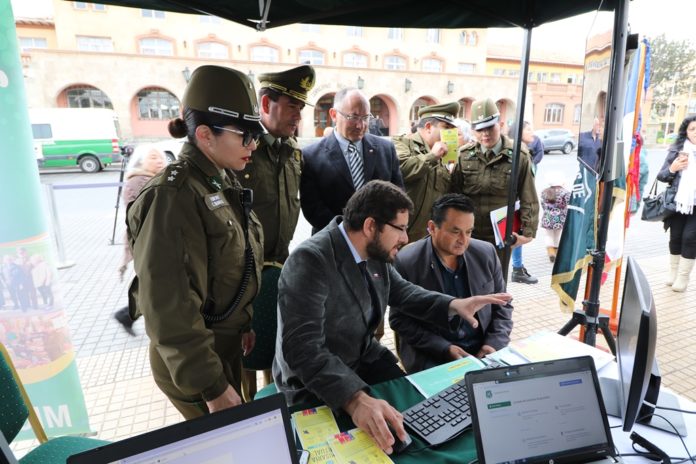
(436, 379)
(314, 426)
(321, 454)
(544, 346)
(356, 446)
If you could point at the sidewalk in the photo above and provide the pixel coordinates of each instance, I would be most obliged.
(122, 399)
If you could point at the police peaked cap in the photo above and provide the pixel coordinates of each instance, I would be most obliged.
(225, 92)
(294, 83)
(445, 112)
(484, 113)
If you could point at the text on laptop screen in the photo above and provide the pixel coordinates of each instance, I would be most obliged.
(533, 417)
(258, 439)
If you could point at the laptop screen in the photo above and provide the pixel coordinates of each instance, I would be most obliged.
(236, 435)
(540, 411)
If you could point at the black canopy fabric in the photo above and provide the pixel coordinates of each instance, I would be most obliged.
(382, 13)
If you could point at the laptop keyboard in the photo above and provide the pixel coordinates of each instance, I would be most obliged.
(444, 415)
(441, 417)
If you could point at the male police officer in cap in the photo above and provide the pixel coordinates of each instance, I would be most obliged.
(483, 172)
(420, 156)
(274, 171)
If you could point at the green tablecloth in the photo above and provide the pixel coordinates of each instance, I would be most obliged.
(402, 395)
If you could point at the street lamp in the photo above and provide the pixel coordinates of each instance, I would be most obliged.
(450, 87)
(361, 82)
(407, 85)
(186, 72)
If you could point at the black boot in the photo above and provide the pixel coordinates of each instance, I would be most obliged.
(123, 317)
(520, 275)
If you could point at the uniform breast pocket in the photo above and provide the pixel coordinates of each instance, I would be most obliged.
(221, 222)
(294, 172)
(500, 177)
(471, 177)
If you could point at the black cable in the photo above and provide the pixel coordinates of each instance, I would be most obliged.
(676, 432)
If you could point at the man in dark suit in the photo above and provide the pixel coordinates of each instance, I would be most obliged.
(451, 262)
(333, 292)
(335, 167)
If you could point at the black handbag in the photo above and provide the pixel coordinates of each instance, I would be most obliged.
(658, 206)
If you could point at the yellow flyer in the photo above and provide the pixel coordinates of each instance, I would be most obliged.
(314, 426)
(357, 446)
(321, 454)
(450, 137)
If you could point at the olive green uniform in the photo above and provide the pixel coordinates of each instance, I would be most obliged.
(186, 230)
(274, 176)
(485, 178)
(425, 177)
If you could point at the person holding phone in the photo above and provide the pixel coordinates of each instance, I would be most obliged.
(679, 170)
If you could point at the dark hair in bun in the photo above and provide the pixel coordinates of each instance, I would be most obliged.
(186, 127)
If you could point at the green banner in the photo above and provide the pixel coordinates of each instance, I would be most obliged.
(33, 327)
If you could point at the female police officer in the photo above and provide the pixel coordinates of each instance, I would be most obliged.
(198, 247)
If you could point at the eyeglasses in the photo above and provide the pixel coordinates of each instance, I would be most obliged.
(402, 229)
(247, 136)
(355, 117)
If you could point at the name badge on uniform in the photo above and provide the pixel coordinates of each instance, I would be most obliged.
(215, 201)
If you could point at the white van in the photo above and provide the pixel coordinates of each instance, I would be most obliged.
(84, 137)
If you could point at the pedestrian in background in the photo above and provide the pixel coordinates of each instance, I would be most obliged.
(679, 170)
(145, 162)
(554, 206)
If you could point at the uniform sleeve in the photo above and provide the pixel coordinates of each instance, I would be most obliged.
(498, 331)
(529, 201)
(413, 166)
(396, 177)
(456, 179)
(170, 257)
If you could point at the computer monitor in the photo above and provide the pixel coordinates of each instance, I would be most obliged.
(634, 396)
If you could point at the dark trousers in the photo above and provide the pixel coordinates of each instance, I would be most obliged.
(682, 235)
(384, 368)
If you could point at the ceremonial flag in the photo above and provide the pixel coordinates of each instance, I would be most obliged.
(578, 238)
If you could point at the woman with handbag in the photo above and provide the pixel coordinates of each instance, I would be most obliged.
(679, 170)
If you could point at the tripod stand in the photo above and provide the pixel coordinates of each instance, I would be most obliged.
(126, 151)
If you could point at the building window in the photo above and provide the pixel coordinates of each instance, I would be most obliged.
(553, 113)
(691, 106)
(463, 35)
(27, 43)
(466, 68)
(432, 36)
(355, 60)
(80, 5)
(264, 53)
(395, 33)
(152, 14)
(498, 71)
(311, 28)
(157, 104)
(87, 97)
(542, 77)
(555, 78)
(530, 76)
(311, 57)
(207, 19)
(513, 72)
(354, 31)
(431, 65)
(156, 46)
(473, 39)
(212, 50)
(577, 111)
(94, 44)
(396, 63)
(98, 7)
(572, 78)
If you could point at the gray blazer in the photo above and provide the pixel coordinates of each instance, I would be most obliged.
(422, 341)
(323, 318)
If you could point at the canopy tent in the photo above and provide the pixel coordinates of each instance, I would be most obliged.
(382, 13)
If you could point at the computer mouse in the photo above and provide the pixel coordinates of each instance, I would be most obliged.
(399, 446)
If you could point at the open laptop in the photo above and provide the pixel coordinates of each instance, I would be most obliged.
(259, 431)
(550, 411)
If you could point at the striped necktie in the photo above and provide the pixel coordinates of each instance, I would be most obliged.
(355, 164)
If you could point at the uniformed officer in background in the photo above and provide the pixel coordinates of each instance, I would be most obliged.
(426, 178)
(198, 248)
(483, 172)
(274, 171)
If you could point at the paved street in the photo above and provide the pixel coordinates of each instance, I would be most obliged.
(122, 400)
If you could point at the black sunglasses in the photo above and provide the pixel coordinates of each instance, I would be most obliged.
(247, 136)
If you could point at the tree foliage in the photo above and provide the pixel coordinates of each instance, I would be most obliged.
(673, 63)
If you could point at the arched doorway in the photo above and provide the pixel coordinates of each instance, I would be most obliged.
(417, 105)
(321, 113)
(151, 110)
(465, 108)
(83, 96)
(385, 120)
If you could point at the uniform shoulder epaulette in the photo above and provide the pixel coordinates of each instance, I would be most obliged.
(469, 146)
(175, 174)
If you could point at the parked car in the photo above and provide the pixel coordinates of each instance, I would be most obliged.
(557, 139)
(171, 148)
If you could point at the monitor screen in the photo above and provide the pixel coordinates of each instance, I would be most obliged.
(635, 342)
